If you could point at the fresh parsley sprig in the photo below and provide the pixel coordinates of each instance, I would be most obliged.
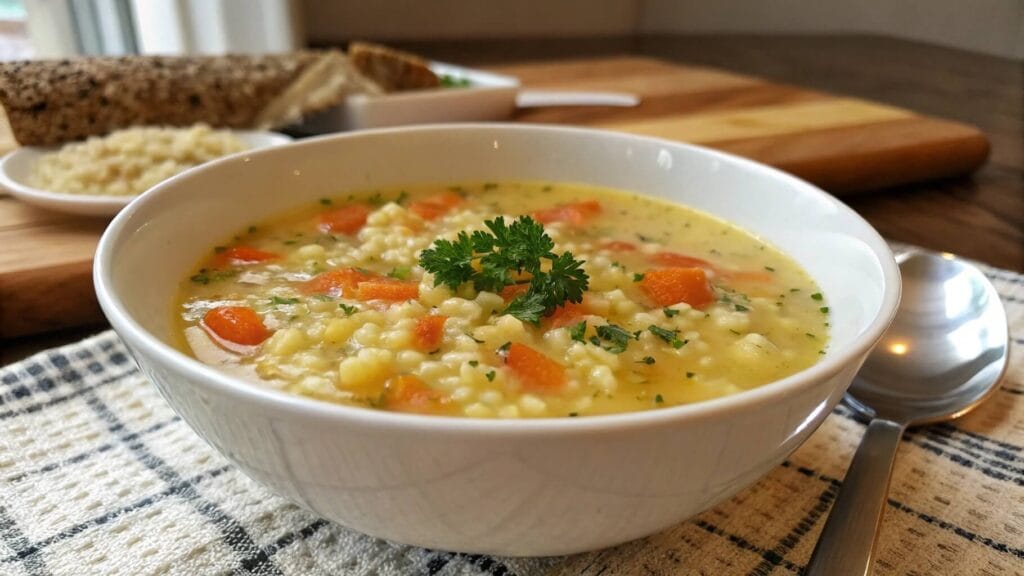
(494, 258)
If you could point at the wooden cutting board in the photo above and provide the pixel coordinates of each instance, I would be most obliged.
(842, 144)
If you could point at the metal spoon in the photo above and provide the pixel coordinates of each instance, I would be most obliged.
(944, 353)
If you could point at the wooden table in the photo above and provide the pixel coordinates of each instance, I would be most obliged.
(980, 217)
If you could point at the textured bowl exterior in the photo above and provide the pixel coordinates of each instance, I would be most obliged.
(540, 487)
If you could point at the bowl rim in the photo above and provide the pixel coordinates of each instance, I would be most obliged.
(202, 375)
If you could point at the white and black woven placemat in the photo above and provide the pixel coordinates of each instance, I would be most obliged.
(98, 476)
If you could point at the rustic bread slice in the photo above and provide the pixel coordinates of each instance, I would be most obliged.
(392, 69)
(50, 102)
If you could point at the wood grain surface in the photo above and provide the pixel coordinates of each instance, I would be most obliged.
(981, 216)
(843, 144)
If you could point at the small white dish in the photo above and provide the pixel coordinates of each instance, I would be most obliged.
(477, 96)
(16, 166)
(486, 96)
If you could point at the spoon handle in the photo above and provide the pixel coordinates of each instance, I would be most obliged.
(847, 543)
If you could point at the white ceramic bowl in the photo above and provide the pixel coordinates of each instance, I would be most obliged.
(488, 96)
(526, 487)
(16, 166)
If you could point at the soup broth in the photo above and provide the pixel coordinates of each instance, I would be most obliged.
(600, 302)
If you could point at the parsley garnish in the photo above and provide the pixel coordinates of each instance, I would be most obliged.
(474, 363)
(670, 336)
(578, 332)
(658, 399)
(502, 252)
(740, 308)
(325, 201)
(616, 336)
(348, 310)
(277, 300)
(637, 277)
(646, 360)
(816, 296)
(490, 376)
(769, 268)
(690, 374)
(504, 347)
(824, 309)
(669, 312)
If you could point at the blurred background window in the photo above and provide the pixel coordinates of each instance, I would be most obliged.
(61, 28)
(66, 27)
(14, 43)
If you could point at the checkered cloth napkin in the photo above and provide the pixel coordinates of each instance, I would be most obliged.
(98, 476)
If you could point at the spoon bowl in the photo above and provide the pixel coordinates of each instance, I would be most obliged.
(945, 350)
(944, 353)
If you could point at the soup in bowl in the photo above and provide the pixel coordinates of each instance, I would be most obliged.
(500, 339)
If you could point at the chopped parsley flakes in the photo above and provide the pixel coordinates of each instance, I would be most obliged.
(578, 332)
(670, 336)
(617, 338)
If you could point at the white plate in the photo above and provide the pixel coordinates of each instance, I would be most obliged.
(16, 166)
(488, 96)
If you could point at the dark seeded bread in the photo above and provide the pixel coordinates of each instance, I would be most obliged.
(50, 102)
(393, 70)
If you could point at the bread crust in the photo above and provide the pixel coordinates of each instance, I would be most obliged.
(49, 102)
(392, 69)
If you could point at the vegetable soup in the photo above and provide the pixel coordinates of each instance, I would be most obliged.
(505, 300)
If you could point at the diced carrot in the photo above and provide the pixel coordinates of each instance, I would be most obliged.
(237, 324)
(388, 290)
(575, 214)
(568, 313)
(677, 260)
(345, 220)
(667, 286)
(337, 282)
(508, 293)
(237, 255)
(619, 246)
(535, 371)
(407, 393)
(435, 206)
(429, 332)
